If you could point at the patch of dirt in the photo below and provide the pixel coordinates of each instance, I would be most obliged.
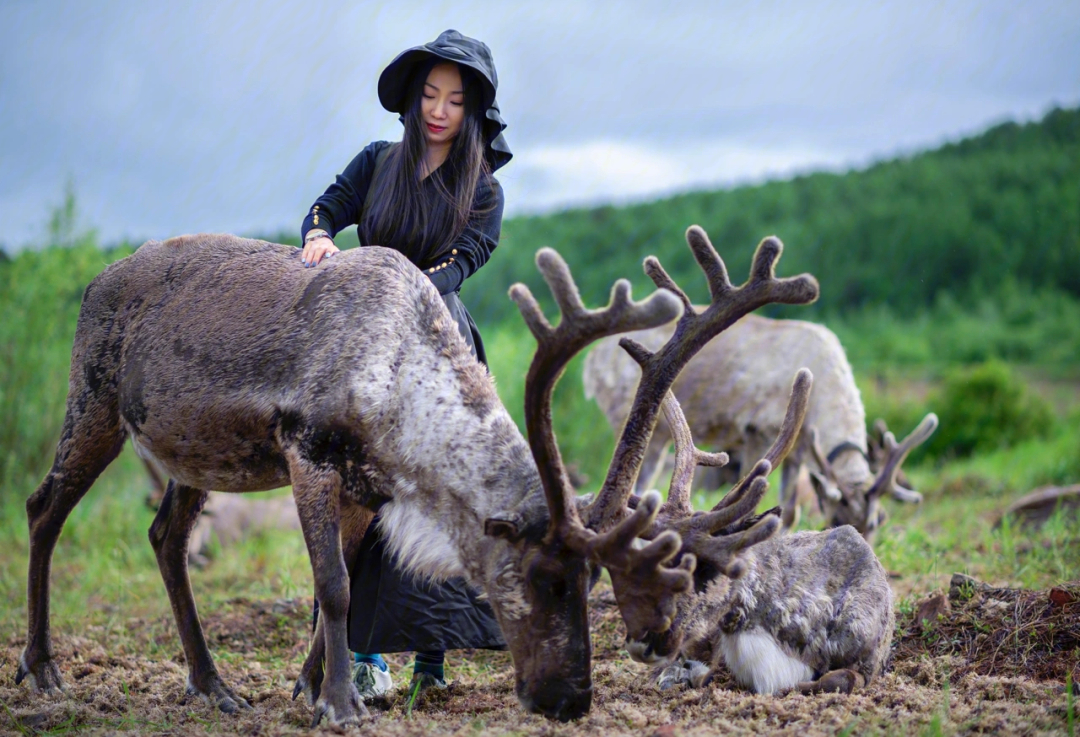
(999, 632)
(979, 667)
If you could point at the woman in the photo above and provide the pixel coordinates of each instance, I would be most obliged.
(433, 198)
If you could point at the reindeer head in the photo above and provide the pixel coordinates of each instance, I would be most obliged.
(718, 538)
(643, 613)
(859, 504)
(540, 583)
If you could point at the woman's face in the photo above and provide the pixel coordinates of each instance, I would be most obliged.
(442, 104)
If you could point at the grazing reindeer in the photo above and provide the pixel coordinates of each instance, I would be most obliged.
(643, 588)
(732, 394)
(235, 369)
(810, 610)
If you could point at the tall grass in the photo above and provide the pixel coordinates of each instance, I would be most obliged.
(40, 293)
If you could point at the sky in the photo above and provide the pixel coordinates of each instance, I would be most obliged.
(209, 116)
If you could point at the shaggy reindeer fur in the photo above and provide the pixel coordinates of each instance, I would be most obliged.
(234, 368)
(813, 611)
(733, 393)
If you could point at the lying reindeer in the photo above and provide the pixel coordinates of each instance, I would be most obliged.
(810, 610)
(236, 369)
(732, 394)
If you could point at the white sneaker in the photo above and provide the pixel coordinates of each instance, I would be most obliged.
(371, 681)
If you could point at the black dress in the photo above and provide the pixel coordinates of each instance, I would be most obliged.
(391, 611)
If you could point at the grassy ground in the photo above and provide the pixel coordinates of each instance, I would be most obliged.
(127, 678)
(120, 654)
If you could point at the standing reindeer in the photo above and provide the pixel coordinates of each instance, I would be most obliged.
(236, 369)
(810, 611)
(732, 394)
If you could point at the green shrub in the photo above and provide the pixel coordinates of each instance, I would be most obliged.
(985, 408)
(40, 296)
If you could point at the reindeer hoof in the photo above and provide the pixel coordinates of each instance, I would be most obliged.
(698, 673)
(221, 696)
(843, 681)
(684, 673)
(44, 675)
(309, 683)
(671, 676)
(346, 713)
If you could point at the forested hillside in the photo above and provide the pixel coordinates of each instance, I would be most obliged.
(968, 221)
(946, 258)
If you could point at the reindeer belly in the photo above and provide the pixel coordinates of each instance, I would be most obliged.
(760, 662)
(223, 451)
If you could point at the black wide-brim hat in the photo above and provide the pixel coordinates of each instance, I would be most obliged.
(455, 47)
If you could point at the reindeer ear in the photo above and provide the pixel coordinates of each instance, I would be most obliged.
(506, 525)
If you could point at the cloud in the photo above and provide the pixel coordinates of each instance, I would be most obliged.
(549, 177)
(193, 116)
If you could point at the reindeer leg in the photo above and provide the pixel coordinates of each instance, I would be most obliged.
(354, 523)
(310, 680)
(169, 534)
(843, 680)
(317, 492)
(690, 673)
(90, 441)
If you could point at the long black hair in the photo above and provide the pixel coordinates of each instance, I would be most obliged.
(400, 216)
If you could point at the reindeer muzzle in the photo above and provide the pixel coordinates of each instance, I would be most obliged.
(563, 700)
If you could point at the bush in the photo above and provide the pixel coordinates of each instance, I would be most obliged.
(986, 408)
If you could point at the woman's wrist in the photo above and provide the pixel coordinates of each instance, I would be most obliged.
(315, 234)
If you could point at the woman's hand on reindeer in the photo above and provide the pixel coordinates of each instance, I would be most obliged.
(316, 249)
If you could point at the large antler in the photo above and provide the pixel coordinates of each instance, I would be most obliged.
(717, 537)
(646, 595)
(555, 347)
(896, 453)
(694, 330)
(642, 584)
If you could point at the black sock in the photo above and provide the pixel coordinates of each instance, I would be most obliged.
(430, 662)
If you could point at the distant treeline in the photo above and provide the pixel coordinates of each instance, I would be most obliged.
(955, 257)
(967, 220)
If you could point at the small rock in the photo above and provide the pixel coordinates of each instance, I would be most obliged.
(963, 587)
(929, 611)
(1061, 597)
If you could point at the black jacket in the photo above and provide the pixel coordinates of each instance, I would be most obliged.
(343, 202)
(390, 611)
